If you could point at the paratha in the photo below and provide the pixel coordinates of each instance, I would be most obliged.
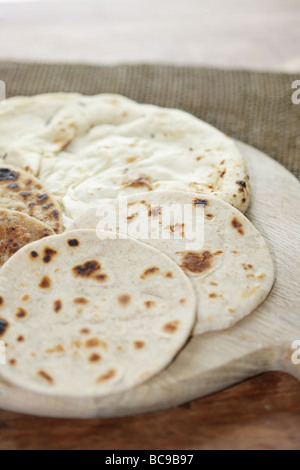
(17, 230)
(90, 148)
(21, 191)
(227, 260)
(94, 317)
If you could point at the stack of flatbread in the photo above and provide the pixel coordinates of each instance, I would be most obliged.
(122, 235)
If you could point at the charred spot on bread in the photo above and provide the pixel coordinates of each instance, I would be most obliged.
(94, 357)
(73, 242)
(196, 262)
(124, 299)
(87, 269)
(45, 282)
(57, 306)
(149, 303)
(171, 327)
(80, 300)
(47, 206)
(49, 253)
(85, 331)
(200, 202)
(3, 326)
(237, 225)
(107, 376)
(44, 375)
(21, 313)
(42, 197)
(149, 271)
(6, 174)
(155, 211)
(142, 181)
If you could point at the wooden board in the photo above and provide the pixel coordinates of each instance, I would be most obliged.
(262, 342)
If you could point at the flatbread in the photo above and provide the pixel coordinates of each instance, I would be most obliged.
(90, 148)
(21, 191)
(17, 230)
(224, 256)
(94, 317)
(22, 120)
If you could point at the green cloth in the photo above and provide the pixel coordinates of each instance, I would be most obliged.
(255, 108)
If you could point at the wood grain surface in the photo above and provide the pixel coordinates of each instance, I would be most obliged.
(262, 413)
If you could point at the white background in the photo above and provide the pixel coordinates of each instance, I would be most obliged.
(252, 34)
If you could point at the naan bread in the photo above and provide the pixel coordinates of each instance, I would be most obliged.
(21, 191)
(22, 123)
(226, 259)
(93, 317)
(17, 230)
(90, 148)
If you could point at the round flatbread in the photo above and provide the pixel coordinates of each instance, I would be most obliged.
(17, 230)
(21, 191)
(223, 254)
(94, 317)
(90, 148)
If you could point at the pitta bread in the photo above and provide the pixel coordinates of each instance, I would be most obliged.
(90, 148)
(21, 191)
(229, 264)
(94, 317)
(17, 230)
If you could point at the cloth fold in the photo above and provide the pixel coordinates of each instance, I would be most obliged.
(253, 107)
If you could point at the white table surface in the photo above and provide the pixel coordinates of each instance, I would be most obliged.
(251, 34)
